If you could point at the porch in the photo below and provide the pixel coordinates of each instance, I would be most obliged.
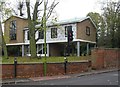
(77, 48)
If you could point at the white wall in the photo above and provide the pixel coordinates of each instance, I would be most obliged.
(60, 34)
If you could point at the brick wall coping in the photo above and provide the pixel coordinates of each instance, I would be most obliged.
(82, 61)
(107, 48)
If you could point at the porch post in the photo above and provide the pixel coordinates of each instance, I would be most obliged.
(23, 50)
(78, 48)
(48, 49)
(87, 48)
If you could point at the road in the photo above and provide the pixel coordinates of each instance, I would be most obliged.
(110, 78)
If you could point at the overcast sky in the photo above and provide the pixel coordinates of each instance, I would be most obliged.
(67, 9)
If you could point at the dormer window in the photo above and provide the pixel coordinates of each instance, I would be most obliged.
(13, 30)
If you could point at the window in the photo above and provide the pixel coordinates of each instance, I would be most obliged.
(88, 31)
(41, 34)
(66, 30)
(53, 32)
(28, 35)
(41, 49)
(13, 30)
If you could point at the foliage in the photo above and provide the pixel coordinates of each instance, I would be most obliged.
(4, 12)
(2, 43)
(111, 17)
(108, 25)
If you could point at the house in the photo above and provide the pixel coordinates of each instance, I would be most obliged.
(17, 37)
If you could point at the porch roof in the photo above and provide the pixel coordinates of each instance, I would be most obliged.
(59, 41)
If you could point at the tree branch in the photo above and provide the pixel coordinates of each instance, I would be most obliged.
(35, 10)
(37, 39)
(51, 10)
(28, 9)
(40, 2)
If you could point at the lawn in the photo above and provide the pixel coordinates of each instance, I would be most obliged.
(40, 60)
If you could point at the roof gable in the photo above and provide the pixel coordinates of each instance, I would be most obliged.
(20, 17)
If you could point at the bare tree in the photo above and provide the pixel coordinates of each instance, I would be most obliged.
(20, 7)
(32, 21)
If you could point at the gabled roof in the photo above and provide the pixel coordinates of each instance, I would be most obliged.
(15, 16)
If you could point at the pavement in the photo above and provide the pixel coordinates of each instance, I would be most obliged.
(22, 80)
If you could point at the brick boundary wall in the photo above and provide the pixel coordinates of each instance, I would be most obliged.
(105, 58)
(101, 59)
(36, 69)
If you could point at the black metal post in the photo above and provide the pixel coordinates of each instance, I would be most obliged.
(65, 64)
(68, 49)
(15, 67)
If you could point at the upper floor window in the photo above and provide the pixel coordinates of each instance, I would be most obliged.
(88, 31)
(41, 34)
(66, 30)
(53, 32)
(13, 30)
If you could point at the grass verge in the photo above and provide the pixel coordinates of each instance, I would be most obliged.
(40, 60)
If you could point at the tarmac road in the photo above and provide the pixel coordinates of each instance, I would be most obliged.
(109, 78)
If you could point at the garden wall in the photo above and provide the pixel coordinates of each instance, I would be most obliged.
(36, 69)
(101, 59)
(105, 58)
